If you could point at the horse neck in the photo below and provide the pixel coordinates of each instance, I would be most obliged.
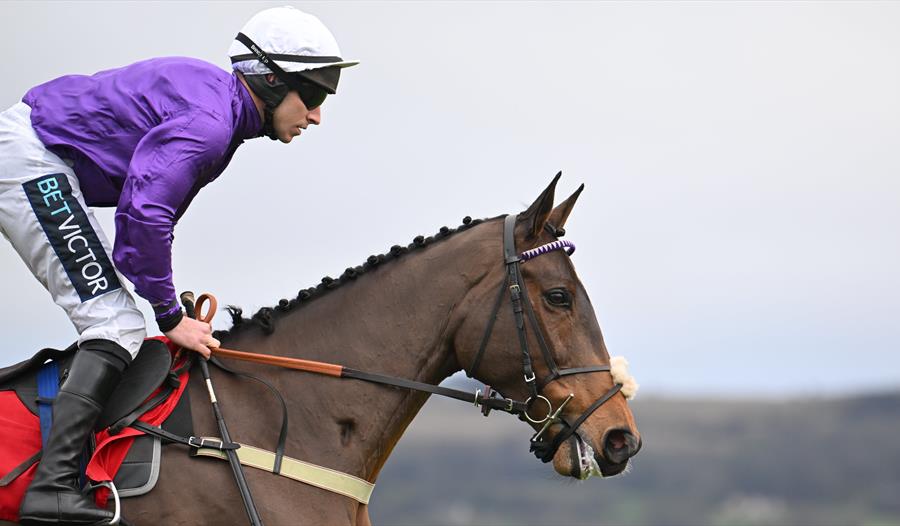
(396, 321)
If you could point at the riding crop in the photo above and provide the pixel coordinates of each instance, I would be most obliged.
(187, 299)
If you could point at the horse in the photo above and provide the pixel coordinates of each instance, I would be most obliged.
(421, 312)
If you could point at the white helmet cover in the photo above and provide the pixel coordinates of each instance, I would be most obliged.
(295, 40)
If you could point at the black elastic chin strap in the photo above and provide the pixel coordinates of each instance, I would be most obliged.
(271, 97)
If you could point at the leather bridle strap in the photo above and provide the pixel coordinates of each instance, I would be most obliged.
(574, 370)
(501, 404)
(488, 331)
(516, 296)
(539, 334)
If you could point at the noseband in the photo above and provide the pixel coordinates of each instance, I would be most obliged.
(522, 309)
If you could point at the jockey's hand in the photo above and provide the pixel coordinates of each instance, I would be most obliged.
(194, 335)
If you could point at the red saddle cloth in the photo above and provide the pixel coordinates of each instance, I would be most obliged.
(21, 438)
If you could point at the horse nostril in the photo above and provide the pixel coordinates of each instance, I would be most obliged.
(619, 446)
(616, 440)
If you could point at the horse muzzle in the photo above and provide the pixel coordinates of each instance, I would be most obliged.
(581, 460)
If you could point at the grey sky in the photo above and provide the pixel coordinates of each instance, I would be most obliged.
(738, 233)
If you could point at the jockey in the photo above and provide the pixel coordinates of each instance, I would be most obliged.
(144, 139)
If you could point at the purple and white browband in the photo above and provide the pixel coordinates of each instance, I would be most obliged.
(549, 247)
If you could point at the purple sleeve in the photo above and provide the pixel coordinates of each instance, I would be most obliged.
(166, 170)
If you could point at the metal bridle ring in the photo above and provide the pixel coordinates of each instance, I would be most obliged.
(549, 410)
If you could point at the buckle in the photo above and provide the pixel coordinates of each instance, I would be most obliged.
(206, 442)
(515, 289)
(529, 380)
(490, 395)
(480, 399)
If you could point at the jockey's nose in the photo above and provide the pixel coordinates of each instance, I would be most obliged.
(315, 116)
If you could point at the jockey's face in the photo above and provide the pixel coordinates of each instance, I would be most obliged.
(291, 117)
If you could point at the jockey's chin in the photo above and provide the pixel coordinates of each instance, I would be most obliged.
(291, 117)
(287, 132)
(288, 136)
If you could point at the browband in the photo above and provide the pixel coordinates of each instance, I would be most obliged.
(549, 247)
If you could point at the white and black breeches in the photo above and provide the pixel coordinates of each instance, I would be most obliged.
(44, 216)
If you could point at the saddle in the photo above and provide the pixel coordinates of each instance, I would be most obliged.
(152, 389)
(141, 378)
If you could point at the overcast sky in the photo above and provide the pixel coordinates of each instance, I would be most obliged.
(739, 229)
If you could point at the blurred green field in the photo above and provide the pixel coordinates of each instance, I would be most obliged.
(720, 462)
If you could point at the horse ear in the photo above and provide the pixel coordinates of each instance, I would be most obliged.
(539, 212)
(561, 212)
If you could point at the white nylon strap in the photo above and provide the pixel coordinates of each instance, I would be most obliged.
(321, 477)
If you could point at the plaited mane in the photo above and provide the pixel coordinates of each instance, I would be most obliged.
(265, 317)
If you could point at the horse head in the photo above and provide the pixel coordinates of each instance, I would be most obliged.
(529, 331)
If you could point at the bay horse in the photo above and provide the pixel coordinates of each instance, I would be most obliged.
(419, 312)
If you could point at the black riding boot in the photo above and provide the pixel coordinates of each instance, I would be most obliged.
(54, 496)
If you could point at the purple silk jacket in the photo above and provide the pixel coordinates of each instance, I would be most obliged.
(145, 139)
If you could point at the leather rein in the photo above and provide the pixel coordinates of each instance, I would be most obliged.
(489, 399)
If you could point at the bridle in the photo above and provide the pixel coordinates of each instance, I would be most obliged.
(522, 308)
(489, 399)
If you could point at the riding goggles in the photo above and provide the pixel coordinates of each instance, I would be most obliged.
(311, 94)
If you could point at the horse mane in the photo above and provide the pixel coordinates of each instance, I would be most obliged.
(265, 317)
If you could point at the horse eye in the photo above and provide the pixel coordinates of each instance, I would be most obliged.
(559, 297)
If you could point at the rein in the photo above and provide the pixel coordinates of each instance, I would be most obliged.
(340, 371)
